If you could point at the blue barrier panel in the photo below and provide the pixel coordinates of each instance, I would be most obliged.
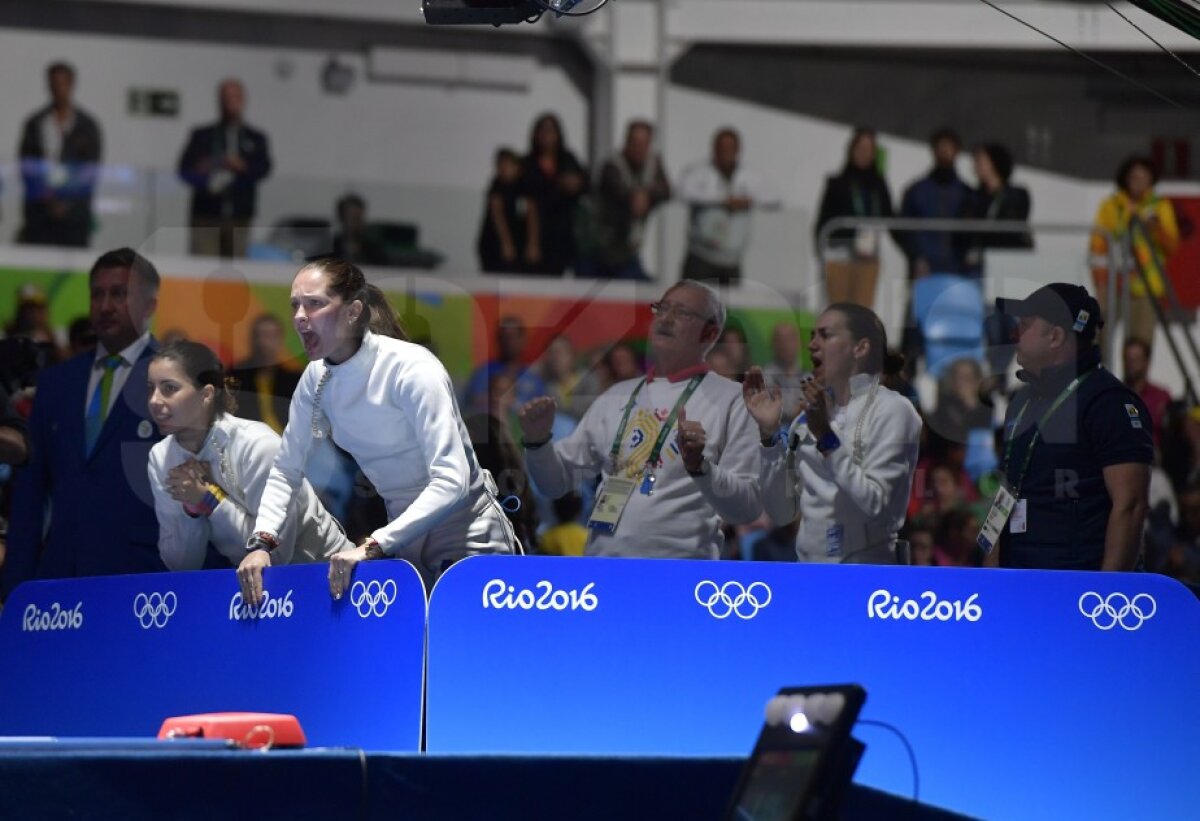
(115, 656)
(1024, 694)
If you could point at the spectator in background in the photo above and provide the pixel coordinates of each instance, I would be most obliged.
(60, 155)
(14, 442)
(266, 379)
(939, 454)
(558, 370)
(852, 254)
(623, 362)
(90, 439)
(609, 366)
(1181, 445)
(632, 184)
(80, 336)
(224, 163)
(509, 361)
(1143, 226)
(554, 180)
(734, 345)
(32, 321)
(721, 363)
(720, 195)
(502, 243)
(1183, 558)
(498, 453)
(352, 242)
(955, 542)
(783, 371)
(1135, 357)
(920, 543)
(939, 195)
(959, 409)
(566, 537)
(994, 199)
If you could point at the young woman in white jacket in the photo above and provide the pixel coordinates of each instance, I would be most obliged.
(846, 464)
(209, 473)
(390, 404)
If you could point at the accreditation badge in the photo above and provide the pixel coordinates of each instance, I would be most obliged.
(610, 503)
(866, 242)
(993, 525)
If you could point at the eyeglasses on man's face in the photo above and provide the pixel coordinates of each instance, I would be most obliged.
(662, 309)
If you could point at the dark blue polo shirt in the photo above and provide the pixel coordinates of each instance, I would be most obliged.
(1103, 423)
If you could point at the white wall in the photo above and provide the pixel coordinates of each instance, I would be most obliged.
(412, 146)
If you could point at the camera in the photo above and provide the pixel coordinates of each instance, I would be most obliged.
(479, 12)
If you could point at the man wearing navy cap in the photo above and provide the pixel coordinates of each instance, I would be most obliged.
(1077, 445)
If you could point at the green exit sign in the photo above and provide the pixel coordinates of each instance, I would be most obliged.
(153, 102)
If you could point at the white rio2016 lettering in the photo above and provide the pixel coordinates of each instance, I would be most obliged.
(268, 608)
(883, 605)
(56, 618)
(503, 596)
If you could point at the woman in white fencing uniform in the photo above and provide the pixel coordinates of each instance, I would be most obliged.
(209, 473)
(846, 464)
(391, 405)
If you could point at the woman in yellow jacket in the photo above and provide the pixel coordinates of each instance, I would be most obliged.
(1143, 226)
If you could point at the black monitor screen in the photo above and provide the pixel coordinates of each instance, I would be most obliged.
(776, 784)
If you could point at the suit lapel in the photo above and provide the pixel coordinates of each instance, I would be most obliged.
(131, 402)
(76, 401)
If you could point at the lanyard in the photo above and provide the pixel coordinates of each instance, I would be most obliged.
(663, 431)
(860, 207)
(994, 206)
(1037, 431)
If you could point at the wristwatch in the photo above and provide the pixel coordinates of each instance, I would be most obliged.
(374, 551)
(829, 442)
(700, 471)
(261, 541)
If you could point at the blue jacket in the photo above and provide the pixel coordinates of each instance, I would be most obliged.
(938, 195)
(102, 511)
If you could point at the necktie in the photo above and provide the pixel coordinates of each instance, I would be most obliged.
(98, 408)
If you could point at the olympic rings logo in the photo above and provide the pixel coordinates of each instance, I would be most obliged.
(373, 597)
(154, 609)
(732, 598)
(1117, 608)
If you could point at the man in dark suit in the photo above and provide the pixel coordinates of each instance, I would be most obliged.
(223, 163)
(90, 437)
(60, 162)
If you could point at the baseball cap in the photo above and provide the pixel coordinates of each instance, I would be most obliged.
(29, 293)
(1059, 303)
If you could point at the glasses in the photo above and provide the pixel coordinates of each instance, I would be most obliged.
(661, 309)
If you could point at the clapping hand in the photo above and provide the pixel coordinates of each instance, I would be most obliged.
(536, 418)
(816, 408)
(765, 404)
(691, 438)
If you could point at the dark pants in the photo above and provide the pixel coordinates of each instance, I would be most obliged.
(630, 269)
(226, 237)
(43, 228)
(703, 271)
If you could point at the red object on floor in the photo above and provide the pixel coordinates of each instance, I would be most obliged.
(251, 730)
